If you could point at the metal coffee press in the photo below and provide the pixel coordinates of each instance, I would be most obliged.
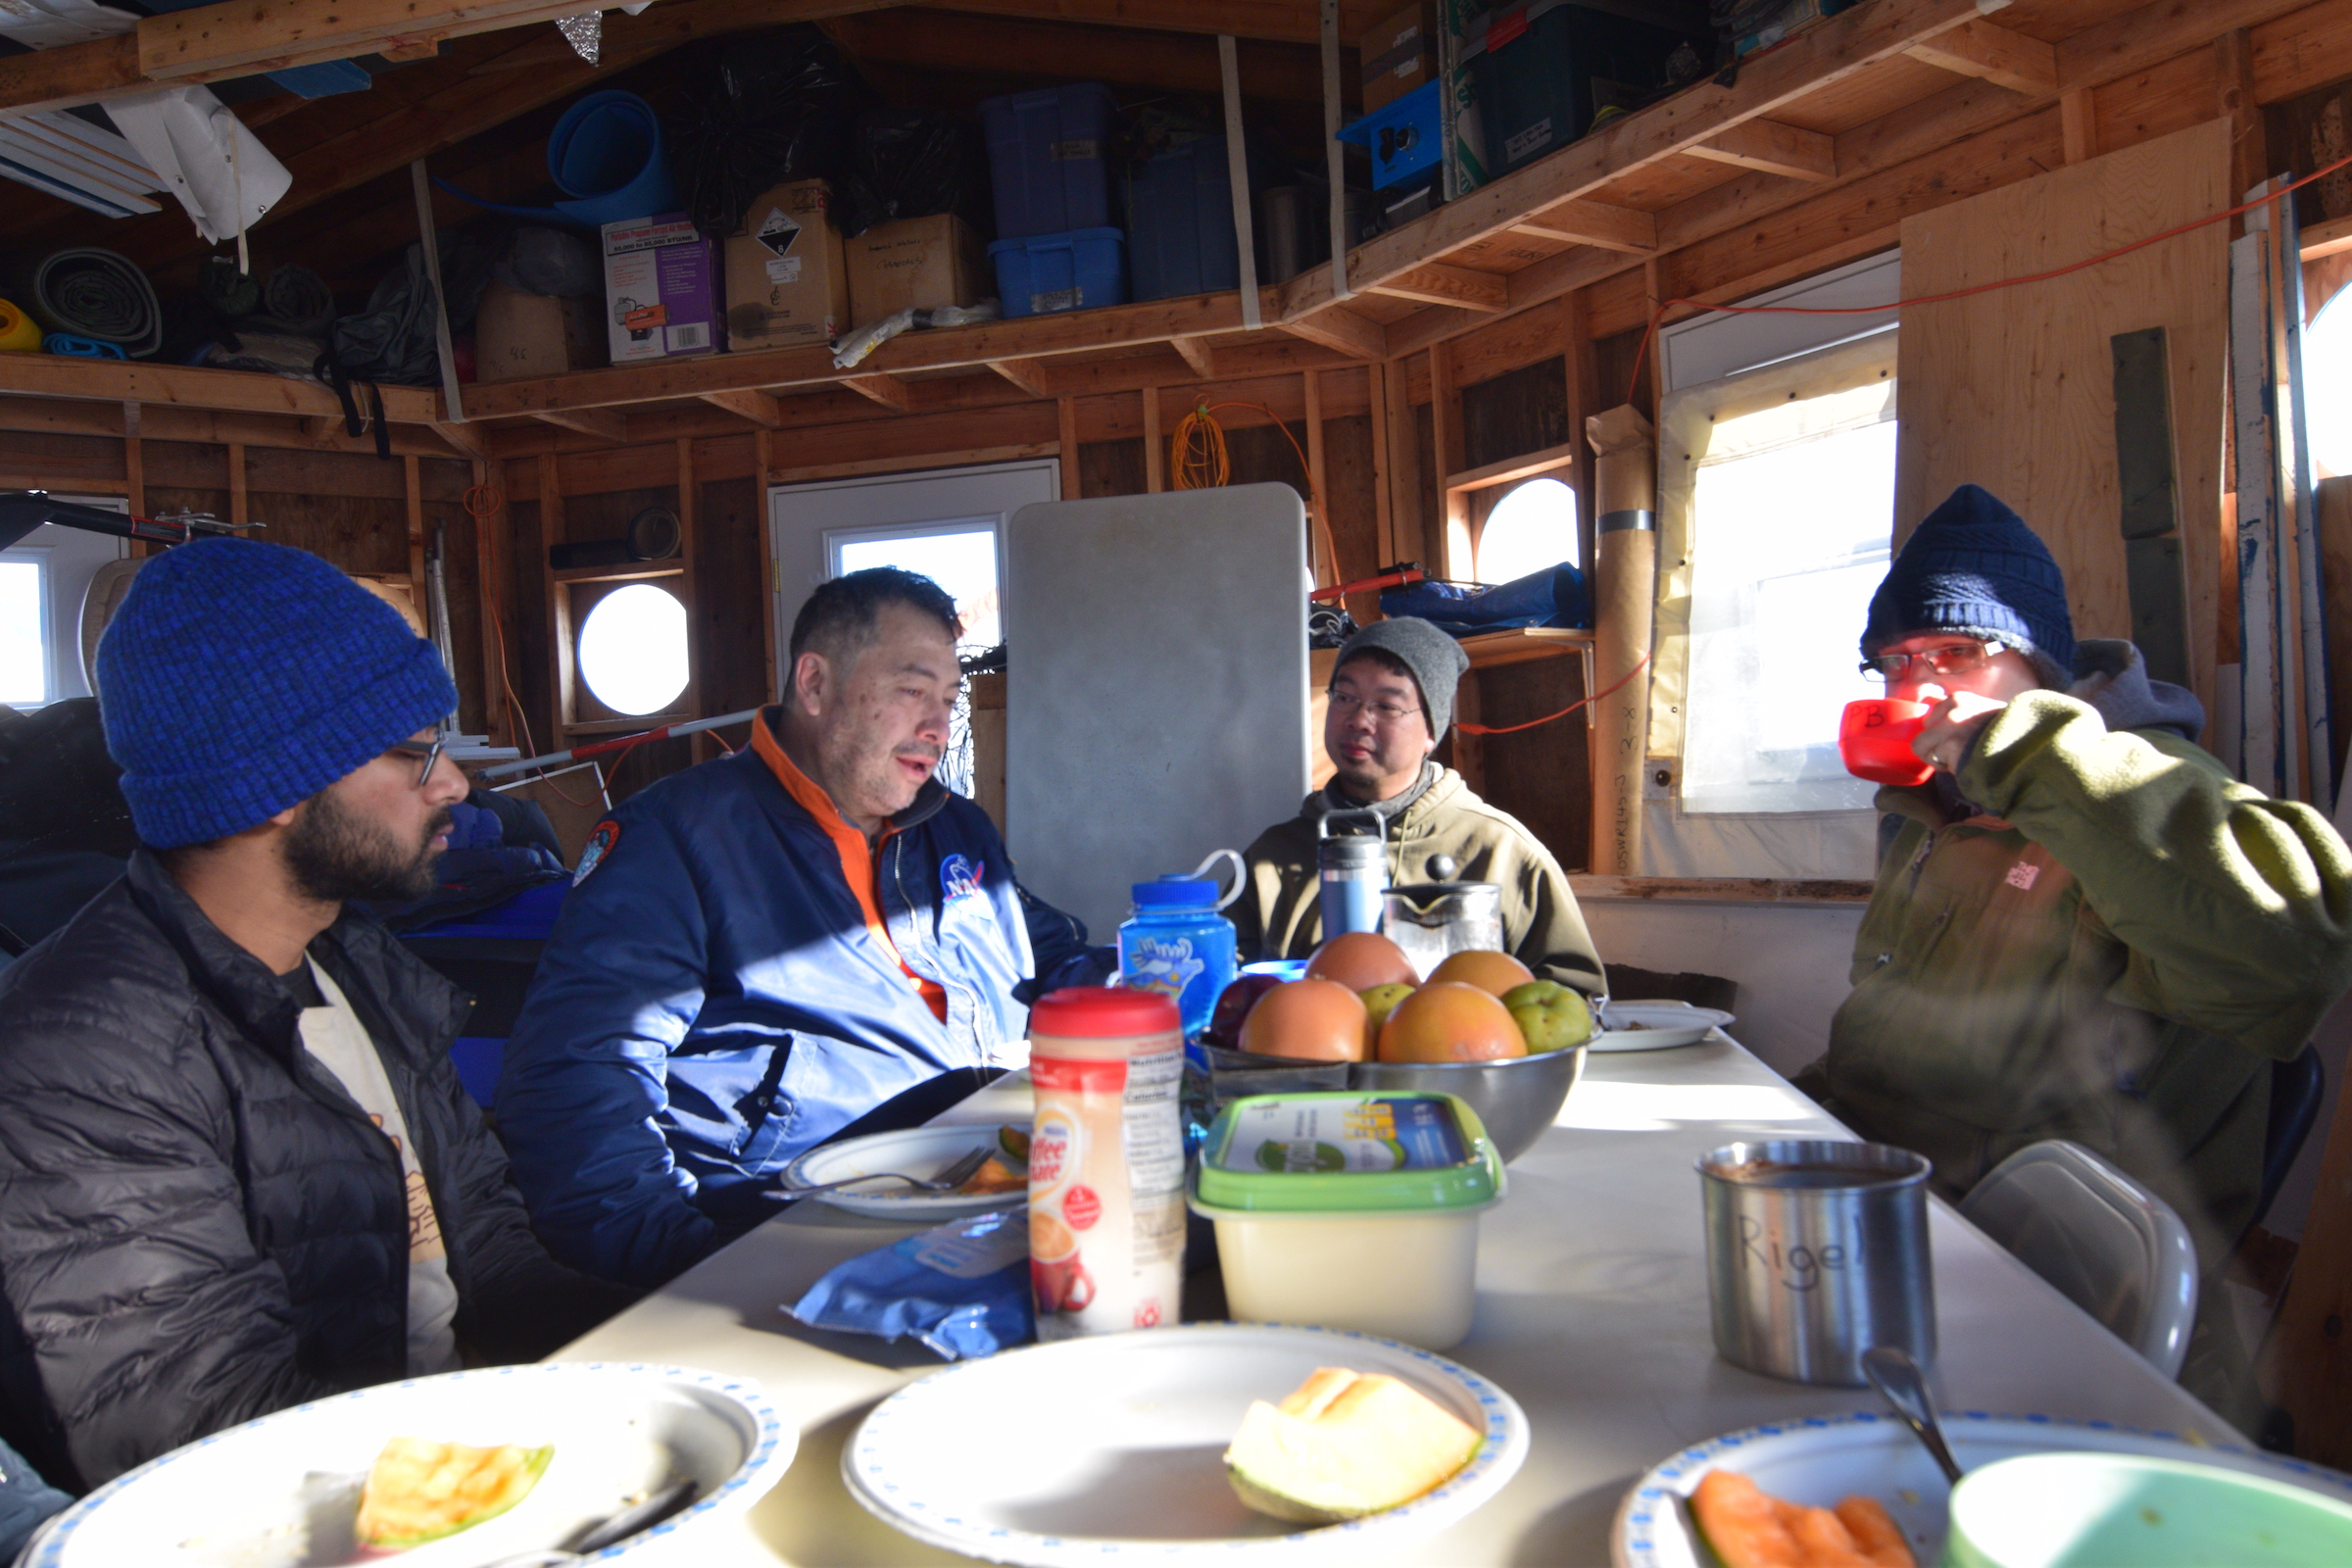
(1434, 920)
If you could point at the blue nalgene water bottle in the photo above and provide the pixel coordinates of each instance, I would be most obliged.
(1177, 942)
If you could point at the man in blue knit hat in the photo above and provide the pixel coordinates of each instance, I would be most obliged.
(237, 1170)
(2083, 927)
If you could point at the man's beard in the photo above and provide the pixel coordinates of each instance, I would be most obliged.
(336, 856)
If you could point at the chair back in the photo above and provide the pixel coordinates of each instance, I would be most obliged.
(2110, 1246)
(2297, 1084)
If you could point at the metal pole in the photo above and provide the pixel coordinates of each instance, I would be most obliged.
(1236, 168)
(618, 742)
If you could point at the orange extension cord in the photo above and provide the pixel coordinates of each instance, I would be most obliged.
(1197, 461)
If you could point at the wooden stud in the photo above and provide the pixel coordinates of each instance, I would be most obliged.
(493, 546)
(1194, 351)
(1442, 283)
(413, 491)
(1319, 504)
(238, 514)
(1582, 364)
(402, 50)
(764, 462)
(1772, 148)
(1457, 556)
(1589, 223)
(1155, 451)
(1404, 467)
(761, 407)
(2235, 102)
(135, 466)
(2078, 125)
(559, 601)
(1384, 509)
(2001, 57)
(1066, 410)
(687, 587)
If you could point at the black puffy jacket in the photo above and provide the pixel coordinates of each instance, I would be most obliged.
(197, 1224)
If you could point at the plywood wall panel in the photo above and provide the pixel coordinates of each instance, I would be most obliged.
(2172, 96)
(2013, 389)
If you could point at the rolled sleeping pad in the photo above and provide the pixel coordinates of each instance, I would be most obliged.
(295, 300)
(80, 348)
(607, 156)
(96, 294)
(19, 333)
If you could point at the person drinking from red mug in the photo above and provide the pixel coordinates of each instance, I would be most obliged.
(2083, 927)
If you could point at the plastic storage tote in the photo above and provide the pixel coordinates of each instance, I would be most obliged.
(1074, 271)
(1542, 69)
(1404, 137)
(1179, 237)
(1049, 158)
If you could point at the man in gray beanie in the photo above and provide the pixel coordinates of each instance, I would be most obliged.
(1390, 703)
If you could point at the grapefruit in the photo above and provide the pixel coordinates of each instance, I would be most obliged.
(1311, 1021)
(1446, 1020)
(1362, 961)
(1492, 973)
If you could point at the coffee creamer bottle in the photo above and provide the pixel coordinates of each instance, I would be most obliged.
(1105, 1162)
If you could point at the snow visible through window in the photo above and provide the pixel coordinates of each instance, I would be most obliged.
(633, 649)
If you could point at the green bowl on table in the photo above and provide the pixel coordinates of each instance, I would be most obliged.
(2104, 1510)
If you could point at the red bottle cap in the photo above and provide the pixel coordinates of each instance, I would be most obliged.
(1104, 1012)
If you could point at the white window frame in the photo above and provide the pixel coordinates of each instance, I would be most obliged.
(63, 591)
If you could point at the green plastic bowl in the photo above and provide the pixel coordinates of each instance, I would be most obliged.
(2122, 1511)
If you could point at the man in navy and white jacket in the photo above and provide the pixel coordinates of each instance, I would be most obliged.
(761, 950)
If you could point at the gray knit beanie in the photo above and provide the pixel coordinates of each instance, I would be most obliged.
(1436, 660)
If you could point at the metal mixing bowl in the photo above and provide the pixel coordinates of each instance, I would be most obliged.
(1517, 1097)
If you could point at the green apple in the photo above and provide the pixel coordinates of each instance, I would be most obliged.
(1380, 1000)
(1550, 1015)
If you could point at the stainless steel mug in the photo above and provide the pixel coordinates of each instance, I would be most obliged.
(1816, 1251)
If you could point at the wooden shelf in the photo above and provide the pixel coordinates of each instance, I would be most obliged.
(1504, 472)
(2327, 239)
(1493, 650)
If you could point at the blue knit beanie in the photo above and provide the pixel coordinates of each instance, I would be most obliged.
(1974, 567)
(241, 678)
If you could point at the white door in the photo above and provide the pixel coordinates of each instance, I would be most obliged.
(948, 523)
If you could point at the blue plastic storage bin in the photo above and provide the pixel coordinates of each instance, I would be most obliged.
(1073, 271)
(1404, 136)
(1049, 158)
(1179, 237)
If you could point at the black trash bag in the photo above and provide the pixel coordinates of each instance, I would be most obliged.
(757, 111)
(912, 163)
(392, 340)
(553, 261)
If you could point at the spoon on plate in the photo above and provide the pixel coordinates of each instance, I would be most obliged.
(1898, 1380)
(595, 1538)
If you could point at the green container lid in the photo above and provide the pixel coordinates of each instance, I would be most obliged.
(1348, 1154)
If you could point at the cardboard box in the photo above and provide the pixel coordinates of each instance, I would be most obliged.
(660, 289)
(918, 263)
(787, 285)
(519, 336)
(1399, 55)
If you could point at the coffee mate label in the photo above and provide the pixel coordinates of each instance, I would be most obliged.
(1107, 1194)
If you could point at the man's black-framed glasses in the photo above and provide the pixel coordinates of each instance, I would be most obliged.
(1952, 659)
(426, 752)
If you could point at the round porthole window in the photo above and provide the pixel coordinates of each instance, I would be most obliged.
(633, 649)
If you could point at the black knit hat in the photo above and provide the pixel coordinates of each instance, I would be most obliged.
(1436, 660)
(1974, 567)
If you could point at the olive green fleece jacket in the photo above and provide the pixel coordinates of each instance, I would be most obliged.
(2099, 935)
(1280, 915)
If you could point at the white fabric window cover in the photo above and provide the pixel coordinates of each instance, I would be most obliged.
(1794, 516)
(203, 155)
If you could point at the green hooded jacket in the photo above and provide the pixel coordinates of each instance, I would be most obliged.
(2092, 933)
(1281, 916)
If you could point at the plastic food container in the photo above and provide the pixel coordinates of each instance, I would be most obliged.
(1354, 1210)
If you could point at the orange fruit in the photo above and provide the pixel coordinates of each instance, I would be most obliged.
(1492, 973)
(1446, 1020)
(1311, 1021)
(1360, 960)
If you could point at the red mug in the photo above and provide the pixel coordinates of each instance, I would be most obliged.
(1061, 1285)
(1875, 736)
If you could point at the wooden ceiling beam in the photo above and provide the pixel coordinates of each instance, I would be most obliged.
(1773, 148)
(951, 40)
(2000, 55)
(605, 424)
(761, 408)
(887, 390)
(1438, 283)
(1584, 222)
(1275, 21)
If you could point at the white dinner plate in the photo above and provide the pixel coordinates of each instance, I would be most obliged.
(1818, 1460)
(918, 1151)
(1111, 1448)
(1654, 1025)
(284, 1492)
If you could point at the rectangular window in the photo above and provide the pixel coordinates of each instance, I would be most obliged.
(960, 555)
(24, 675)
(1790, 539)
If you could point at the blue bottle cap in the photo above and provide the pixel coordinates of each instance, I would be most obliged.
(1175, 892)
